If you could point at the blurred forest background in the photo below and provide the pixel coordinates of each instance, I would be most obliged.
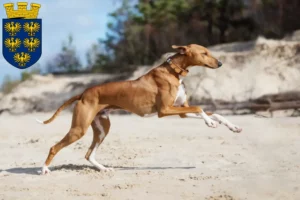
(139, 33)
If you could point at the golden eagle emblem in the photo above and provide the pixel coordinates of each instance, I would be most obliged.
(12, 28)
(12, 43)
(22, 34)
(22, 58)
(31, 43)
(31, 28)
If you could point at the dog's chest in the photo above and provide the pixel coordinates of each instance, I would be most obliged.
(181, 95)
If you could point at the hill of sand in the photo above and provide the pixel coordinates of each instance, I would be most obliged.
(250, 70)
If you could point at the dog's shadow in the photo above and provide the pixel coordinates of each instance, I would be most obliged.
(71, 167)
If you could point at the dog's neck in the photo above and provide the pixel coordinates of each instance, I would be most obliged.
(178, 63)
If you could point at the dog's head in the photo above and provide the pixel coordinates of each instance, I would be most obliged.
(198, 56)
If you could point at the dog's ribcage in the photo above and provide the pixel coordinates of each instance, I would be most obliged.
(179, 100)
(181, 95)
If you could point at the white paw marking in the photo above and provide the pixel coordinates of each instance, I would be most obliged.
(235, 128)
(211, 123)
(45, 170)
(107, 169)
(208, 121)
(223, 120)
(102, 135)
(93, 161)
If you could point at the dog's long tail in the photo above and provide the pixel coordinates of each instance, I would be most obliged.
(67, 103)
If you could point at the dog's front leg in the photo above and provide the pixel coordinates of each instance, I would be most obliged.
(191, 112)
(223, 120)
(203, 115)
(215, 117)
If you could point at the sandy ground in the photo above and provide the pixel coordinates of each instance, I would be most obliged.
(169, 158)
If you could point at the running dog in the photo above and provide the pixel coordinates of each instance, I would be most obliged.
(159, 92)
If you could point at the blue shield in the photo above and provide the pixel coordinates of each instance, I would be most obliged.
(22, 41)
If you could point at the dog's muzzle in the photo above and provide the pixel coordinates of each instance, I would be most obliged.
(219, 64)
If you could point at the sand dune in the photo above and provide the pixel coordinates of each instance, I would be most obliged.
(250, 70)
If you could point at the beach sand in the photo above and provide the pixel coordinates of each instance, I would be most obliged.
(168, 158)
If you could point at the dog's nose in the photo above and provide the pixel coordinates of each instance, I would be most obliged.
(219, 64)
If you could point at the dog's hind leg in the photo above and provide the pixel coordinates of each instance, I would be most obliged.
(83, 115)
(100, 125)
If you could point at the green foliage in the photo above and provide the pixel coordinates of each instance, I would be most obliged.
(139, 34)
(161, 12)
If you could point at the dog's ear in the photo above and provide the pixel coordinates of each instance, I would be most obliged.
(181, 49)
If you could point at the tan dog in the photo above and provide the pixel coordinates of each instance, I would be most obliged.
(160, 92)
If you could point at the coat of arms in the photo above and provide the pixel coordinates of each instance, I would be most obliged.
(22, 35)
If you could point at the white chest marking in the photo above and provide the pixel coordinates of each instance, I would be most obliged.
(181, 95)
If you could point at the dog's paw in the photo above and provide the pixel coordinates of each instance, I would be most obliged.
(107, 169)
(235, 129)
(211, 123)
(45, 170)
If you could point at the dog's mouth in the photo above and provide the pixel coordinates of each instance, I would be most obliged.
(205, 65)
